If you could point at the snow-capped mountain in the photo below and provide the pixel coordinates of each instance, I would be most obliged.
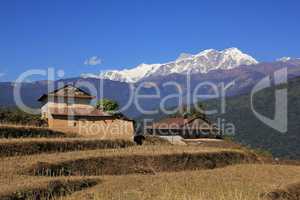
(287, 59)
(131, 75)
(202, 62)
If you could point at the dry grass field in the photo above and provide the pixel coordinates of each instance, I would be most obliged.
(93, 169)
(238, 182)
(29, 146)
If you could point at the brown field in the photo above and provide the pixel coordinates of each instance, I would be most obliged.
(291, 191)
(28, 146)
(20, 131)
(216, 170)
(238, 182)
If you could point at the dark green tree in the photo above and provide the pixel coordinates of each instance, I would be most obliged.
(107, 105)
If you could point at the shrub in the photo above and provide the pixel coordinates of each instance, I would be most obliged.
(16, 116)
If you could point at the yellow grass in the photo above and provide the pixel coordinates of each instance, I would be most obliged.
(20, 125)
(239, 182)
(12, 167)
(30, 146)
(135, 150)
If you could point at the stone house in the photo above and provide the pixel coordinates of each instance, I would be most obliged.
(69, 109)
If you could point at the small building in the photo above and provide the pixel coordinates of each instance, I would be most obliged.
(69, 109)
(187, 127)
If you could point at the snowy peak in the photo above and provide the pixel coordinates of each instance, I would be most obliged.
(288, 59)
(183, 56)
(238, 57)
(206, 61)
(130, 75)
(203, 62)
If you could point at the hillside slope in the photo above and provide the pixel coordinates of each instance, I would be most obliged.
(251, 131)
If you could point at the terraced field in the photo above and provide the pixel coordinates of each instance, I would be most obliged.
(77, 168)
(236, 182)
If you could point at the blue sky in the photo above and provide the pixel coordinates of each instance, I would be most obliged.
(64, 33)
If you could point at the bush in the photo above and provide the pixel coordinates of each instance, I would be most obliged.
(16, 116)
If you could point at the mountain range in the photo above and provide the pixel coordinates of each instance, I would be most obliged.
(203, 62)
(216, 67)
